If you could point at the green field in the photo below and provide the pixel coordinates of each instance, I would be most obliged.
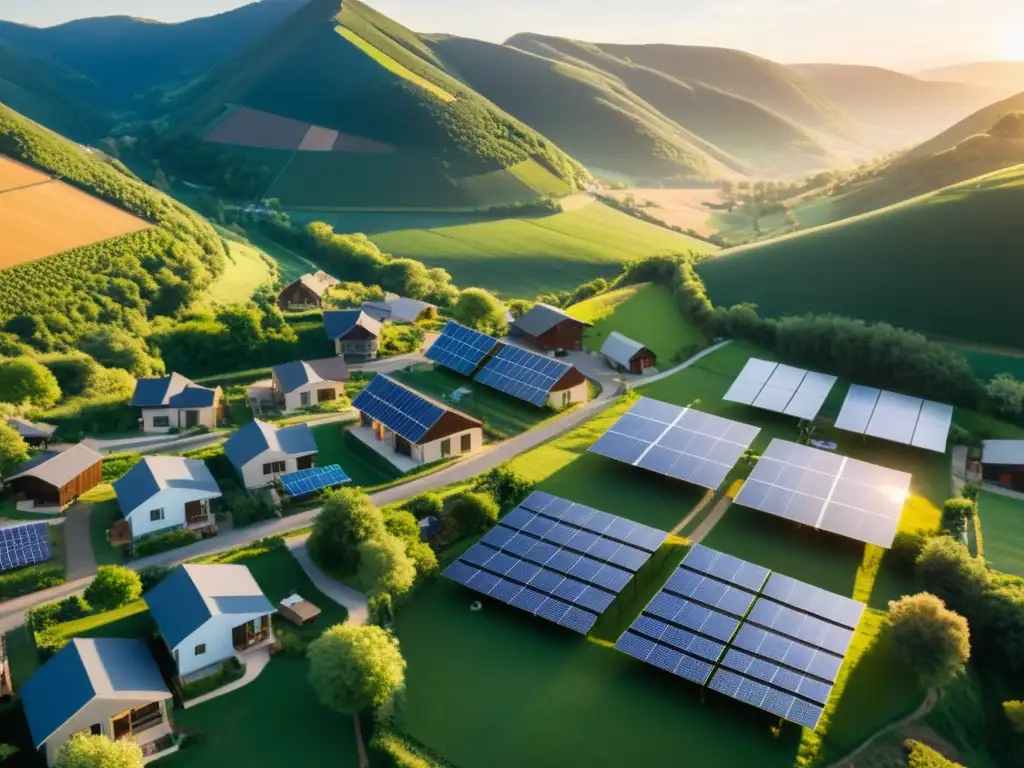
(519, 256)
(647, 314)
(366, 468)
(392, 66)
(1002, 529)
(244, 272)
(990, 362)
(906, 265)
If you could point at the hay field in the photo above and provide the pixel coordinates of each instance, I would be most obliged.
(677, 207)
(14, 175)
(52, 217)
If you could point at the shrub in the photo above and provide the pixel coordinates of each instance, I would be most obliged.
(473, 512)
(43, 616)
(922, 756)
(403, 525)
(425, 505)
(230, 670)
(971, 490)
(247, 509)
(87, 751)
(906, 548)
(48, 642)
(1014, 711)
(117, 465)
(13, 449)
(424, 558)
(396, 750)
(289, 643)
(956, 513)
(933, 640)
(347, 519)
(152, 575)
(162, 542)
(26, 580)
(354, 668)
(504, 485)
(113, 586)
(384, 565)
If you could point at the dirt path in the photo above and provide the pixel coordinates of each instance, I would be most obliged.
(930, 700)
(710, 521)
(693, 513)
(80, 560)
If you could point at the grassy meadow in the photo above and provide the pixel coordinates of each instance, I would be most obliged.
(244, 272)
(1002, 528)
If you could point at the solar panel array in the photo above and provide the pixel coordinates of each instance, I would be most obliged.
(832, 493)
(307, 481)
(522, 374)
(781, 388)
(899, 418)
(460, 348)
(561, 561)
(679, 442)
(399, 409)
(22, 545)
(760, 637)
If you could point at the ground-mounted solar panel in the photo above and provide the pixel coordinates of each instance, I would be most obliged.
(814, 600)
(22, 545)
(677, 442)
(401, 410)
(826, 491)
(460, 348)
(523, 374)
(308, 481)
(619, 529)
(781, 388)
(895, 417)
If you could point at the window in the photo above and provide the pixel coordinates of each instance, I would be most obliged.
(156, 515)
(200, 649)
(161, 421)
(274, 468)
(304, 399)
(467, 444)
(567, 398)
(446, 447)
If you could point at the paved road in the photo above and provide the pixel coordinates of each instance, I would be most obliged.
(78, 544)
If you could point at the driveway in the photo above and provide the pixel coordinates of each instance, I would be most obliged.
(78, 543)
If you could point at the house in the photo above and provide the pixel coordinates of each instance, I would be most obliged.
(549, 328)
(413, 425)
(356, 335)
(57, 478)
(163, 493)
(306, 292)
(205, 613)
(262, 452)
(1002, 462)
(108, 686)
(624, 354)
(35, 434)
(175, 402)
(398, 309)
(303, 384)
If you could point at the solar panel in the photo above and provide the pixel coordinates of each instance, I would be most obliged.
(895, 417)
(726, 567)
(830, 492)
(307, 481)
(814, 600)
(781, 388)
(763, 697)
(459, 348)
(401, 410)
(678, 442)
(522, 374)
(22, 545)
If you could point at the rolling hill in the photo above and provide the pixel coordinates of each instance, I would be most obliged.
(1007, 77)
(976, 123)
(945, 264)
(340, 108)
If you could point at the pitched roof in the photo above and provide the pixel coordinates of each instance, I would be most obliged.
(397, 308)
(157, 473)
(291, 376)
(1002, 452)
(318, 283)
(83, 670)
(174, 391)
(339, 322)
(58, 468)
(621, 349)
(258, 436)
(542, 318)
(193, 594)
(402, 410)
(27, 428)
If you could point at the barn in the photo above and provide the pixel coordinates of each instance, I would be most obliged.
(549, 328)
(625, 354)
(306, 292)
(1002, 462)
(57, 478)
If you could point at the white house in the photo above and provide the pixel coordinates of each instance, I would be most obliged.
(175, 402)
(162, 493)
(303, 384)
(262, 452)
(205, 613)
(398, 309)
(108, 686)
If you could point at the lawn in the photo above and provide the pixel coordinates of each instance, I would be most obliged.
(105, 512)
(1002, 527)
(647, 314)
(503, 416)
(293, 266)
(988, 362)
(364, 466)
(244, 272)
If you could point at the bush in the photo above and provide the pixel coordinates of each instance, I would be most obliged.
(922, 756)
(26, 580)
(247, 509)
(425, 505)
(473, 512)
(424, 557)
(113, 586)
(403, 525)
(971, 490)
(956, 514)
(289, 643)
(230, 670)
(348, 518)
(43, 616)
(48, 642)
(396, 750)
(163, 542)
(933, 640)
(384, 566)
(117, 465)
(152, 575)
(906, 548)
(504, 485)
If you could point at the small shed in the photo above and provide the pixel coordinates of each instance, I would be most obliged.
(356, 334)
(306, 292)
(398, 309)
(625, 354)
(302, 384)
(1002, 462)
(34, 433)
(549, 328)
(57, 478)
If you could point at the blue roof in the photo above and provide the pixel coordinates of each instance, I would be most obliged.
(156, 473)
(83, 670)
(293, 375)
(339, 322)
(257, 436)
(174, 391)
(400, 409)
(192, 594)
(193, 397)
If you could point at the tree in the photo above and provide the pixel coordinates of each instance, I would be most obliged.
(23, 380)
(504, 485)
(384, 566)
(1014, 711)
(922, 756)
(946, 568)
(425, 505)
(480, 310)
(347, 519)
(473, 511)
(1006, 394)
(956, 513)
(98, 752)
(519, 307)
(116, 348)
(933, 640)
(13, 450)
(113, 586)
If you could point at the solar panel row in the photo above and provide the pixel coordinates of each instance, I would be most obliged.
(895, 417)
(399, 409)
(581, 516)
(522, 374)
(307, 481)
(22, 545)
(781, 388)
(459, 348)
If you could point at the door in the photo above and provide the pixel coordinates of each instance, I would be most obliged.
(402, 446)
(326, 395)
(191, 419)
(446, 447)
(304, 462)
(240, 635)
(194, 512)
(121, 725)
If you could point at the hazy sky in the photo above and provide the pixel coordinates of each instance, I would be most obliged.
(900, 33)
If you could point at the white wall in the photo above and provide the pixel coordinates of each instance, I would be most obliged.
(431, 451)
(578, 394)
(100, 710)
(176, 417)
(252, 473)
(293, 400)
(173, 501)
(216, 635)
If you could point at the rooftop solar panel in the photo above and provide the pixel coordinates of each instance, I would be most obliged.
(827, 491)
(401, 410)
(781, 388)
(22, 545)
(677, 442)
(307, 481)
(522, 374)
(895, 417)
(459, 348)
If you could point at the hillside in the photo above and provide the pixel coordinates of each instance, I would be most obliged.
(978, 122)
(944, 264)
(908, 108)
(340, 93)
(120, 57)
(1007, 77)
